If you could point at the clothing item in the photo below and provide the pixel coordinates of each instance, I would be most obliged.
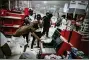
(26, 35)
(39, 35)
(45, 30)
(46, 22)
(28, 55)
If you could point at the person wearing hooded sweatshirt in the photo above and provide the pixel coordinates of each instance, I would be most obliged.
(46, 23)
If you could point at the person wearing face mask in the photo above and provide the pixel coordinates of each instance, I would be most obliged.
(37, 26)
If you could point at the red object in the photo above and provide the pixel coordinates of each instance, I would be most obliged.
(14, 30)
(84, 46)
(0, 21)
(3, 12)
(17, 22)
(26, 11)
(7, 30)
(8, 22)
(65, 47)
(75, 39)
(63, 33)
(67, 34)
(16, 15)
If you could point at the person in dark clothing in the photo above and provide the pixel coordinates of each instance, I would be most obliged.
(46, 23)
(31, 12)
(38, 33)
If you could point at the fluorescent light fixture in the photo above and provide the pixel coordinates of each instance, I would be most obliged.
(44, 2)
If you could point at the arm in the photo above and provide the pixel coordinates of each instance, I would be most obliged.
(36, 36)
(27, 21)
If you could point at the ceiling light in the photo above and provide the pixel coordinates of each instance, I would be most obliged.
(44, 2)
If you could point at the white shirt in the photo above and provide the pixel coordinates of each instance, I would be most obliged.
(63, 25)
(32, 18)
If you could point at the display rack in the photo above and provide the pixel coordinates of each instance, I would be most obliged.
(77, 13)
(85, 38)
(85, 30)
(11, 22)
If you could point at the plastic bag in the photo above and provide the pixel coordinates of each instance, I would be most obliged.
(3, 39)
(16, 50)
(28, 55)
(52, 56)
(20, 40)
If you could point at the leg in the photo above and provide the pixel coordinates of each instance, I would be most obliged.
(27, 40)
(47, 31)
(39, 35)
(44, 30)
(25, 47)
(38, 43)
(32, 42)
(25, 35)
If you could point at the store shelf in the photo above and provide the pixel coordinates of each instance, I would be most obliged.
(15, 26)
(11, 22)
(15, 13)
(11, 17)
(85, 40)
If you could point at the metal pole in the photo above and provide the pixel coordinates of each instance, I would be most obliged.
(16, 3)
(9, 4)
(30, 4)
(75, 9)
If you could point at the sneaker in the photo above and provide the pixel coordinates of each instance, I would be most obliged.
(31, 49)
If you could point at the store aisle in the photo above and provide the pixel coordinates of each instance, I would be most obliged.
(17, 47)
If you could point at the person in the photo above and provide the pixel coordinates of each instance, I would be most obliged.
(63, 22)
(37, 26)
(35, 16)
(24, 30)
(46, 23)
(31, 17)
(31, 12)
(79, 23)
(26, 22)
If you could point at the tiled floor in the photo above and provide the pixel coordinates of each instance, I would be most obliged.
(17, 50)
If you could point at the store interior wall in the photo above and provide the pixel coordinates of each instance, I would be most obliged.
(41, 6)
